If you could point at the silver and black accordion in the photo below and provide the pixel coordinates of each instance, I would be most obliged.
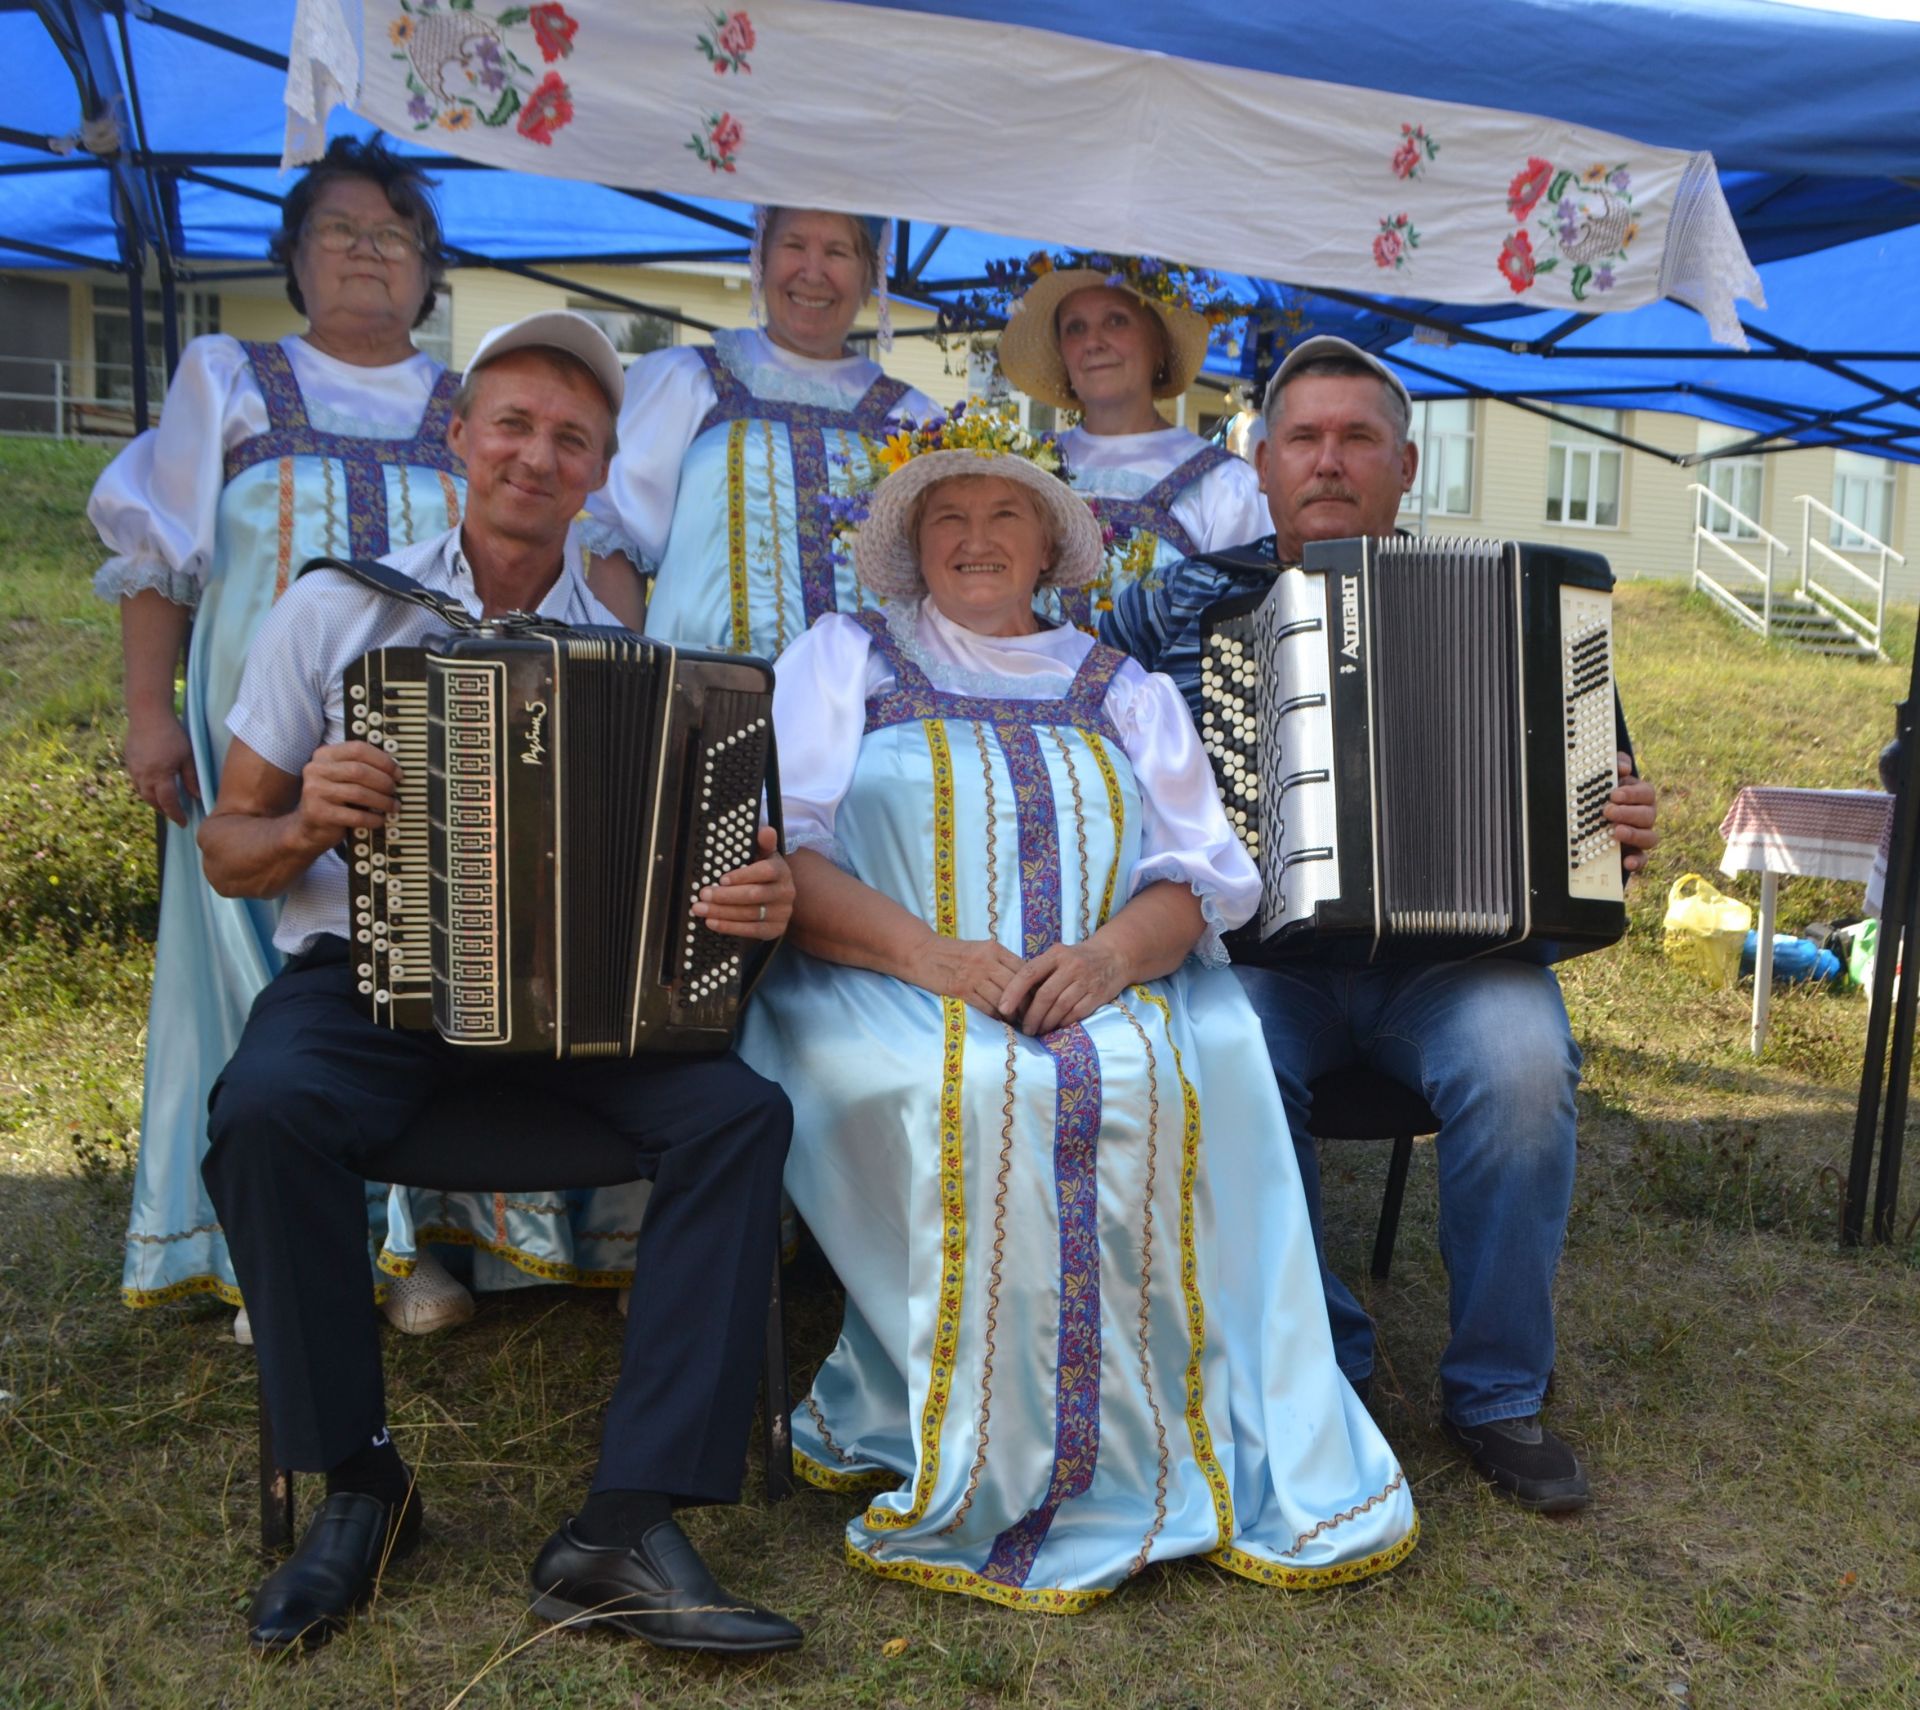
(1415, 741)
(566, 793)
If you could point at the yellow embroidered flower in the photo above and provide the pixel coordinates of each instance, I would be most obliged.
(457, 119)
(1633, 231)
(1597, 172)
(400, 31)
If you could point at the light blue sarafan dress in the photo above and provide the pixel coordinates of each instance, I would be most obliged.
(1084, 1328)
(255, 468)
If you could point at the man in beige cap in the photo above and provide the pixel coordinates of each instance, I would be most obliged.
(318, 1100)
(1487, 1043)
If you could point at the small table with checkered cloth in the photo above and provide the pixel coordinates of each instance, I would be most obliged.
(1824, 834)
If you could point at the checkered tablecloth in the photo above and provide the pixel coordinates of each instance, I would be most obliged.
(1826, 834)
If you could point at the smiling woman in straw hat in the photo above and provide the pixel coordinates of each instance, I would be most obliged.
(1023, 1117)
(727, 449)
(1107, 336)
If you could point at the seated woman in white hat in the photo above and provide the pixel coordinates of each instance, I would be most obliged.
(1107, 338)
(1083, 1325)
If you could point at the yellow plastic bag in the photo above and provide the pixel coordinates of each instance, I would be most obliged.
(1705, 930)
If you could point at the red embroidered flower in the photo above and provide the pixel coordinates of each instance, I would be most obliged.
(554, 29)
(1387, 248)
(724, 136)
(548, 108)
(736, 35)
(1406, 159)
(1516, 259)
(1528, 186)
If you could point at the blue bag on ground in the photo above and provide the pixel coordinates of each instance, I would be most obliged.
(1794, 959)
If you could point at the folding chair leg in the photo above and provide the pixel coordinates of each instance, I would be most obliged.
(776, 1399)
(276, 1491)
(1390, 1206)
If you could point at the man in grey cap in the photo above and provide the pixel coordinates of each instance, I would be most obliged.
(1487, 1043)
(318, 1100)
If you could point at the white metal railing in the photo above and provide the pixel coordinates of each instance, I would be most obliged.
(1868, 630)
(42, 400)
(1762, 620)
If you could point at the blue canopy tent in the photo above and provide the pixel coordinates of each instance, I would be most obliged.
(147, 140)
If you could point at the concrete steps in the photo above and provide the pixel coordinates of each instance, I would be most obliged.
(1811, 627)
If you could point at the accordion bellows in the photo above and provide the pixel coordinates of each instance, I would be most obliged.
(570, 792)
(1415, 741)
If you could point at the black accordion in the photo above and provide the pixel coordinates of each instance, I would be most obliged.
(566, 794)
(1415, 741)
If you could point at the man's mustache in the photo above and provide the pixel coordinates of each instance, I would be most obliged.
(1329, 490)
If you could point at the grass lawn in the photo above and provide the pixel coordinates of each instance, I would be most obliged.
(1747, 1396)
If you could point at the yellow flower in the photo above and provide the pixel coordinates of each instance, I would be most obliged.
(400, 31)
(1633, 231)
(457, 119)
(897, 451)
(1597, 172)
(1040, 265)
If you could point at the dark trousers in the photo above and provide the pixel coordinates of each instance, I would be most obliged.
(316, 1102)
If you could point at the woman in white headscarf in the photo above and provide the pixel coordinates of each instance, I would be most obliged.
(726, 451)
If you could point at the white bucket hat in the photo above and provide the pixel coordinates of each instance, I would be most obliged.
(888, 561)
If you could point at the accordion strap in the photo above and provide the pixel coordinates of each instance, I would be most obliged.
(384, 579)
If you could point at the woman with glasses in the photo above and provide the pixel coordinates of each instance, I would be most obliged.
(332, 440)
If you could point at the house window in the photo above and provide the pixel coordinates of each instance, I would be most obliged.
(1443, 430)
(1740, 481)
(199, 312)
(1583, 471)
(633, 332)
(1863, 494)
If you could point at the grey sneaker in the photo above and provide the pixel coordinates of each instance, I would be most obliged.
(1526, 1461)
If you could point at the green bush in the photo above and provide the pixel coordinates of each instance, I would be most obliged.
(76, 845)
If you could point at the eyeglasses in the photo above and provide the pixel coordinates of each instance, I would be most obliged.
(336, 236)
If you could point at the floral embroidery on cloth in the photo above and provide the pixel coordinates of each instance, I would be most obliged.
(1396, 239)
(1415, 150)
(719, 143)
(1586, 219)
(462, 70)
(729, 44)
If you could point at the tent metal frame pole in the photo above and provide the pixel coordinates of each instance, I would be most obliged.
(47, 252)
(1474, 391)
(1890, 1017)
(161, 226)
(200, 33)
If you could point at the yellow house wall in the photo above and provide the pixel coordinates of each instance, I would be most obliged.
(1655, 536)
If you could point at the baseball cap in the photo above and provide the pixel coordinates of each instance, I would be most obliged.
(1318, 349)
(558, 329)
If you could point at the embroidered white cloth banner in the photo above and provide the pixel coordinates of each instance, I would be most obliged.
(1043, 136)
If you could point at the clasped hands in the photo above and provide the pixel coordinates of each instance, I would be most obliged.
(355, 786)
(1065, 983)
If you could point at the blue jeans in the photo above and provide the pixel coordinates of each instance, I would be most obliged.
(1488, 1045)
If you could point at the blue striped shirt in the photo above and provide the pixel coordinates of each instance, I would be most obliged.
(1158, 622)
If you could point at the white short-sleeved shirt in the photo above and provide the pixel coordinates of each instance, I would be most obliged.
(291, 702)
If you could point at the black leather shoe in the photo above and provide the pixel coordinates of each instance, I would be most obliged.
(339, 1560)
(1526, 1461)
(660, 1592)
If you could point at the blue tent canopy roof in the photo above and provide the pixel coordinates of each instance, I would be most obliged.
(1810, 114)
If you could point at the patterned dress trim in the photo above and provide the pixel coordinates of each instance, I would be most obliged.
(1076, 1405)
(953, 1198)
(913, 696)
(1117, 807)
(290, 434)
(1150, 515)
(1153, 510)
(807, 428)
(1198, 1431)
